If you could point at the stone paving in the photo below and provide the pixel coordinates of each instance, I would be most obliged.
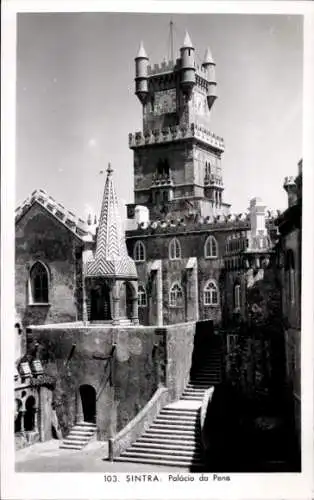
(48, 457)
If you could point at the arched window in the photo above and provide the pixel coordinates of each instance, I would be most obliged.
(290, 275)
(174, 249)
(176, 295)
(39, 281)
(142, 297)
(211, 248)
(139, 252)
(211, 294)
(237, 296)
(18, 416)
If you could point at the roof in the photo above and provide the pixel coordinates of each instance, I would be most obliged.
(111, 255)
(69, 220)
(208, 58)
(187, 41)
(141, 52)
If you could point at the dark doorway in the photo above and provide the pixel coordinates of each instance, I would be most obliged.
(126, 300)
(88, 399)
(100, 303)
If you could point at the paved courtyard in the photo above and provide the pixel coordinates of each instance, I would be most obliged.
(48, 457)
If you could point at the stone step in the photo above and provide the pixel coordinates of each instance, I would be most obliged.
(172, 425)
(177, 418)
(162, 461)
(164, 440)
(178, 409)
(192, 448)
(143, 450)
(170, 432)
(188, 459)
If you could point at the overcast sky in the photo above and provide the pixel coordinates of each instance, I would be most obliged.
(76, 102)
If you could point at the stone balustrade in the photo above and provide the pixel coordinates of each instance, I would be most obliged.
(174, 133)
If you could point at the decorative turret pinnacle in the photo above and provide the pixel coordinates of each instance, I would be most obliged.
(141, 52)
(208, 58)
(111, 256)
(187, 41)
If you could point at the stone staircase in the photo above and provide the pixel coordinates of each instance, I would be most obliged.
(79, 436)
(173, 439)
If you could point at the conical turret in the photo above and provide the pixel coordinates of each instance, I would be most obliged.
(141, 75)
(187, 65)
(209, 67)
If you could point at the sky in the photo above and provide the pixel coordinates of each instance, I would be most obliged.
(76, 104)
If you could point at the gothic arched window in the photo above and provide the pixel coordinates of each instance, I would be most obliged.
(139, 252)
(174, 249)
(211, 293)
(176, 295)
(142, 297)
(211, 248)
(39, 284)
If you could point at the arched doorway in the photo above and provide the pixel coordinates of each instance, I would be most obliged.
(100, 303)
(126, 300)
(88, 399)
(29, 417)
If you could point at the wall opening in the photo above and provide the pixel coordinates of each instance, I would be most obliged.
(29, 417)
(88, 399)
(100, 303)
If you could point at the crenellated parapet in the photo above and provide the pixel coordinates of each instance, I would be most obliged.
(176, 133)
(195, 223)
(164, 67)
(78, 226)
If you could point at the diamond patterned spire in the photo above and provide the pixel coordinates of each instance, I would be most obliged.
(111, 255)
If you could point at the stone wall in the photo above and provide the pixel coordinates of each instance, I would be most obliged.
(144, 359)
(40, 237)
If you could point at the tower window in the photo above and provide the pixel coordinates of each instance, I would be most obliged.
(290, 276)
(139, 253)
(174, 249)
(211, 248)
(39, 284)
(176, 295)
(211, 293)
(237, 296)
(142, 297)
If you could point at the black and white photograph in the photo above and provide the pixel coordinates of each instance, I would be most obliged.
(158, 246)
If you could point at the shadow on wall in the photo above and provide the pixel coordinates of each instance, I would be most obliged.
(246, 435)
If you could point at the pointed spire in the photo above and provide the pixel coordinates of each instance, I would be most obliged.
(111, 256)
(141, 52)
(187, 41)
(208, 58)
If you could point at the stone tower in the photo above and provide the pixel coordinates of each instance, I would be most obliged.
(177, 159)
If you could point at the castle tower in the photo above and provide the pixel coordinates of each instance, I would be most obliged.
(141, 79)
(209, 67)
(110, 274)
(177, 158)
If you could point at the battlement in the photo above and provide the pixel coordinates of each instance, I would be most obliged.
(175, 133)
(78, 226)
(193, 222)
(168, 66)
(164, 67)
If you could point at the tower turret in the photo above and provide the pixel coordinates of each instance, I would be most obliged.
(141, 75)
(209, 66)
(187, 65)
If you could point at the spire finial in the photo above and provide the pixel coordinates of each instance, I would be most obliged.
(187, 41)
(109, 169)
